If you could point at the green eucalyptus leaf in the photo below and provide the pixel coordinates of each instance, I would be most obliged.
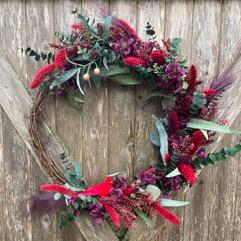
(143, 216)
(154, 138)
(97, 81)
(63, 77)
(57, 196)
(210, 126)
(78, 82)
(173, 203)
(173, 173)
(75, 205)
(114, 70)
(107, 24)
(84, 21)
(212, 158)
(105, 63)
(126, 79)
(163, 138)
(154, 191)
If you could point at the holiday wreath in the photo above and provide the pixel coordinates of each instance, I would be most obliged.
(110, 49)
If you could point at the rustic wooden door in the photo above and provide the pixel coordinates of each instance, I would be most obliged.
(113, 133)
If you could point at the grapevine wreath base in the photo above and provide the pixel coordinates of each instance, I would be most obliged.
(109, 49)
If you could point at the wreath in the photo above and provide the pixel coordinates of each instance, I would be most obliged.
(109, 49)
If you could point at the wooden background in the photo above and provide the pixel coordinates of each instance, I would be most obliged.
(113, 134)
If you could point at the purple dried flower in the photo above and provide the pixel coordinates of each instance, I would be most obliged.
(97, 211)
(147, 176)
(44, 203)
(174, 71)
(116, 194)
(120, 182)
(202, 153)
(124, 46)
(173, 183)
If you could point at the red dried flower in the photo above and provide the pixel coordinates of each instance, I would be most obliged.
(58, 188)
(192, 77)
(126, 26)
(158, 56)
(209, 93)
(197, 139)
(188, 172)
(115, 217)
(174, 122)
(128, 191)
(60, 58)
(166, 213)
(41, 74)
(102, 190)
(134, 61)
(78, 28)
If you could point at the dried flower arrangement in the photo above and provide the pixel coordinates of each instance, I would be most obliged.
(111, 50)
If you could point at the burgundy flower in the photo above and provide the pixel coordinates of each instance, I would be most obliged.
(158, 56)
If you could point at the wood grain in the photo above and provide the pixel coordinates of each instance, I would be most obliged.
(205, 42)
(95, 119)
(113, 135)
(10, 101)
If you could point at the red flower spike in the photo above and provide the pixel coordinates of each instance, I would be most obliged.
(192, 80)
(188, 172)
(158, 56)
(197, 139)
(209, 93)
(114, 216)
(134, 61)
(60, 58)
(166, 213)
(58, 188)
(41, 74)
(102, 190)
(126, 26)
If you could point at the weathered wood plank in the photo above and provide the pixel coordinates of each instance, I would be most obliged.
(16, 102)
(236, 204)
(144, 153)
(95, 119)
(2, 181)
(17, 190)
(180, 13)
(221, 217)
(122, 108)
(204, 54)
(39, 25)
(70, 132)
